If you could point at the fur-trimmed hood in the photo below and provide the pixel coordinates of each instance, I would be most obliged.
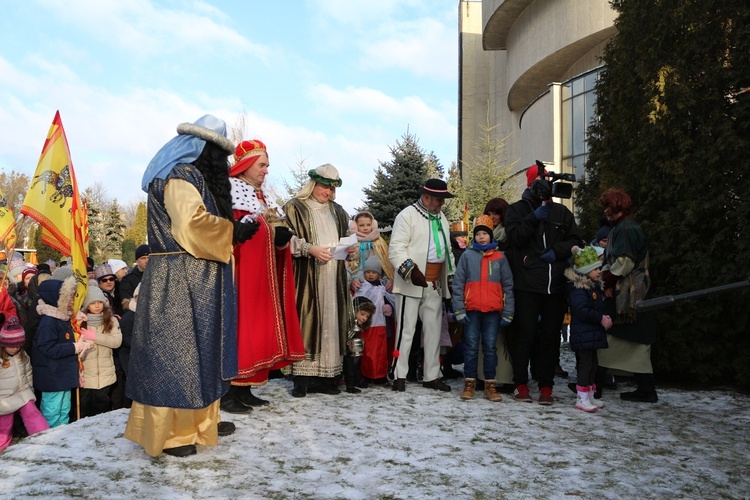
(578, 280)
(56, 297)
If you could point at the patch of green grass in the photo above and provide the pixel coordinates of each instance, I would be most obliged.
(116, 476)
(395, 463)
(301, 468)
(481, 439)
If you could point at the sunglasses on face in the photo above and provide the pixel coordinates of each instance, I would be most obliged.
(106, 280)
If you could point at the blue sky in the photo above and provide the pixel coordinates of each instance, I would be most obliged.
(327, 81)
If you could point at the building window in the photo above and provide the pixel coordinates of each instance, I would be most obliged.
(578, 111)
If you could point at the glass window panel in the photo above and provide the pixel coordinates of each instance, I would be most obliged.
(590, 116)
(578, 124)
(590, 81)
(578, 162)
(578, 86)
(567, 119)
(590, 108)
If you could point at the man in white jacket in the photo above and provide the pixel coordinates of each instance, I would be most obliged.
(420, 251)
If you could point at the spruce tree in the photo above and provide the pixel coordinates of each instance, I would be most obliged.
(397, 182)
(114, 230)
(95, 221)
(485, 174)
(673, 130)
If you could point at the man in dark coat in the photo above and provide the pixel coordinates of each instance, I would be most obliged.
(131, 280)
(541, 234)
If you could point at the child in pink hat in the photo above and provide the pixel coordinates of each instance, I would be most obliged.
(15, 384)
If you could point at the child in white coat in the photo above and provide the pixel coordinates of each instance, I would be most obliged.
(374, 364)
(16, 391)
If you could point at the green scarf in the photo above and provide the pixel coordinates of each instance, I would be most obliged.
(437, 226)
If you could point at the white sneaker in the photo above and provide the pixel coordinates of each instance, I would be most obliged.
(584, 404)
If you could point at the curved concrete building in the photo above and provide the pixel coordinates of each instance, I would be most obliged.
(529, 68)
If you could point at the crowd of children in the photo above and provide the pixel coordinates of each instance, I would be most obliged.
(47, 377)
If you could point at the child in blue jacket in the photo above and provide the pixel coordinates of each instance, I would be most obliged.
(483, 301)
(588, 323)
(55, 351)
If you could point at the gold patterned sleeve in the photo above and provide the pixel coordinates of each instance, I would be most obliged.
(201, 234)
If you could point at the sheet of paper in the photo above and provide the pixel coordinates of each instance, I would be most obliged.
(339, 253)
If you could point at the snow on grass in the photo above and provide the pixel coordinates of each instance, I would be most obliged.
(417, 444)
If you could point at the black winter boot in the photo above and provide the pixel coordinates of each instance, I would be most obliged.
(246, 397)
(300, 386)
(646, 391)
(230, 404)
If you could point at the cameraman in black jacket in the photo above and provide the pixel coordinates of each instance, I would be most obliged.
(541, 234)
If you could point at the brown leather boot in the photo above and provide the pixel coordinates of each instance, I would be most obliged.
(490, 391)
(470, 385)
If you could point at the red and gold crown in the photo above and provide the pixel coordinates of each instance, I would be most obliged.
(245, 155)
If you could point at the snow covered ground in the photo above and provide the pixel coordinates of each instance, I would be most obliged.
(417, 444)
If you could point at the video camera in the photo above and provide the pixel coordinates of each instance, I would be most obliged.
(550, 186)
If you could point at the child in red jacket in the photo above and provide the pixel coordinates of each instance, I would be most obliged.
(483, 301)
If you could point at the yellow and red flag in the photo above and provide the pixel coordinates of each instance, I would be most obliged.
(53, 201)
(7, 224)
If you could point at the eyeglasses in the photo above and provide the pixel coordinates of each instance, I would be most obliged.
(105, 280)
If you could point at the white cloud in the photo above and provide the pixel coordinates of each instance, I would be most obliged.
(424, 44)
(426, 47)
(143, 29)
(365, 12)
(357, 104)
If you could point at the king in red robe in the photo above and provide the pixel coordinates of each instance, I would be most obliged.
(268, 331)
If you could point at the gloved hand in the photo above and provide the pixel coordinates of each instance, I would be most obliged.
(606, 322)
(549, 256)
(282, 236)
(355, 285)
(505, 321)
(387, 310)
(81, 317)
(87, 334)
(542, 212)
(463, 318)
(418, 278)
(81, 346)
(243, 231)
